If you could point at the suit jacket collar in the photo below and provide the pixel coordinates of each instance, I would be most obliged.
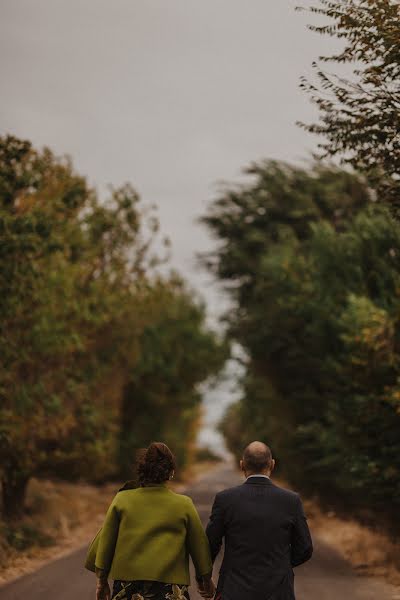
(257, 481)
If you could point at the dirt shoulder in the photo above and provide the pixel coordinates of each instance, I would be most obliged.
(60, 518)
(369, 552)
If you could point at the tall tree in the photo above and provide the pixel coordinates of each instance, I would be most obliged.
(360, 115)
(311, 265)
(83, 316)
(176, 352)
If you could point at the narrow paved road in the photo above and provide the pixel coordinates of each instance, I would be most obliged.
(325, 577)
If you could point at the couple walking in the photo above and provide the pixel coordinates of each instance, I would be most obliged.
(150, 531)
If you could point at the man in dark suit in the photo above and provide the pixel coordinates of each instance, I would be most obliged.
(265, 533)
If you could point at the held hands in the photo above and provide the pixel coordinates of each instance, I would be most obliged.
(206, 587)
(103, 591)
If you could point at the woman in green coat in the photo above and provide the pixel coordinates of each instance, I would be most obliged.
(147, 537)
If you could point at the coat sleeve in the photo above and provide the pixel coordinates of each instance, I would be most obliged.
(197, 542)
(90, 561)
(108, 538)
(216, 527)
(301, 542)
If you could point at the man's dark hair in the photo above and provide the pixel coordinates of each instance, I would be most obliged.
(257, 457)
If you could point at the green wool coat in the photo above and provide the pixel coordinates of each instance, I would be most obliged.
(148, 534)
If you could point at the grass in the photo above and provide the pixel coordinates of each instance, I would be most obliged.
(24, 536)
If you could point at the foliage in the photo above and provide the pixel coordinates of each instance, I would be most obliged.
(161, 398)
(359, 116)
(312, 268)
(24, 536)
(78, 296)
(207, 454)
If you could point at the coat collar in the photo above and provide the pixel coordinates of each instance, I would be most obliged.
(258, 481)
(132, 485)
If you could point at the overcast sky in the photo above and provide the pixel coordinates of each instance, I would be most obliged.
(171, 95)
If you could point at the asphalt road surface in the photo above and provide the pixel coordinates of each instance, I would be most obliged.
(326, 577)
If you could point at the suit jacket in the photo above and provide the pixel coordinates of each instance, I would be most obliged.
(265, 533)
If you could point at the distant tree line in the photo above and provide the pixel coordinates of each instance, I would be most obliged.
(311, 260)
(99, 353)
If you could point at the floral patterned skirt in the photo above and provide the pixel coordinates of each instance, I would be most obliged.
(149, 590)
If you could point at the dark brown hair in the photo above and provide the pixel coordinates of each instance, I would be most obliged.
(154, 464)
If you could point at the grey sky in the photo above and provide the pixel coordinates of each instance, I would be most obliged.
(171, 95)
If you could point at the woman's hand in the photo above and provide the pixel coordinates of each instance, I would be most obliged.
(103, 591)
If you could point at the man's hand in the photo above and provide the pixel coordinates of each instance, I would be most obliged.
(103, 591)
(206, 587)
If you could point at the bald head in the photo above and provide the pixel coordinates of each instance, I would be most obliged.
(257, 458)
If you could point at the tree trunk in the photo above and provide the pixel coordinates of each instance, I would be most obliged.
(13, 487)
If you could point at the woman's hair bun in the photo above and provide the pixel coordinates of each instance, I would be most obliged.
(155, 464)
